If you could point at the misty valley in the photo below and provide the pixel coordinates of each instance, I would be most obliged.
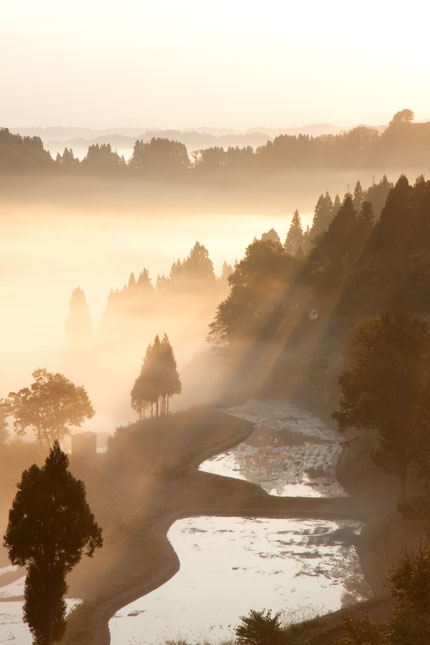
(199, 395)
(215, 347)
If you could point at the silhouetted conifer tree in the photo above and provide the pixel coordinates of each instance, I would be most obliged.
(158, 380)
(194, 273)
(336, 205)
(198, 265)
(323, 215)
(271, 236)
(144, 283)
(377, 195)
(102, 159)
(295, 239)
(358, 196)
(171, 383)
(67, 159)
(226, 271)
(50, 527)
(78, 323)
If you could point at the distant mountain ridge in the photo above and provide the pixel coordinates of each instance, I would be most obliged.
(70, 132)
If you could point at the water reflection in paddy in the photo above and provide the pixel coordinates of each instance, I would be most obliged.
(232, 565)
(290, 452)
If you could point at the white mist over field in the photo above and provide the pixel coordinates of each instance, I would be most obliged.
(46, 253)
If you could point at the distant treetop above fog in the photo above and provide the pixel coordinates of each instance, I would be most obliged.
(402, 143)
(78, 323)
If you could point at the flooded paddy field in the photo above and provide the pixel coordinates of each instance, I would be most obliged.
(231, 565)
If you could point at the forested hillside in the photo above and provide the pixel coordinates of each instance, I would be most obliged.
(301, 306)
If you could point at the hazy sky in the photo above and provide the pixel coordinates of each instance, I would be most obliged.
(235, 63)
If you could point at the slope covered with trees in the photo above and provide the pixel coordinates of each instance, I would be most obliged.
(385, 387)
(357, 264)
(22, 153)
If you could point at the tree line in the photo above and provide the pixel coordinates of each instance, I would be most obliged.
(350, 264)
(195, 274)
(402, 144)
(192, 276)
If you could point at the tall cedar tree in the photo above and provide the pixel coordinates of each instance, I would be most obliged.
(323, 215)
(294, 240)
(50, 527)
(78, 324)
(158, 379)
(49, 406)
(358, 196)
(334, 258)
(271, 236)
(386, 387)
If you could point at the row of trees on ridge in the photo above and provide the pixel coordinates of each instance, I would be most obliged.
(402, 143)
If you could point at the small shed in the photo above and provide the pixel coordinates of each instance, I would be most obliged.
(84, 444)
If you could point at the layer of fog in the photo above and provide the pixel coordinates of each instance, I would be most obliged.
(93, 234)
(46, 253)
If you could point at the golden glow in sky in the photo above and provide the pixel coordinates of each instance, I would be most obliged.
(236, 63)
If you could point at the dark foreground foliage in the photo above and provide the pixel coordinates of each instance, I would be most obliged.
(260, 628)
(409, 623)
(385, 387)
(50, 527)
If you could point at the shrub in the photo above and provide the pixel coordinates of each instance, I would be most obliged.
(259, 628)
